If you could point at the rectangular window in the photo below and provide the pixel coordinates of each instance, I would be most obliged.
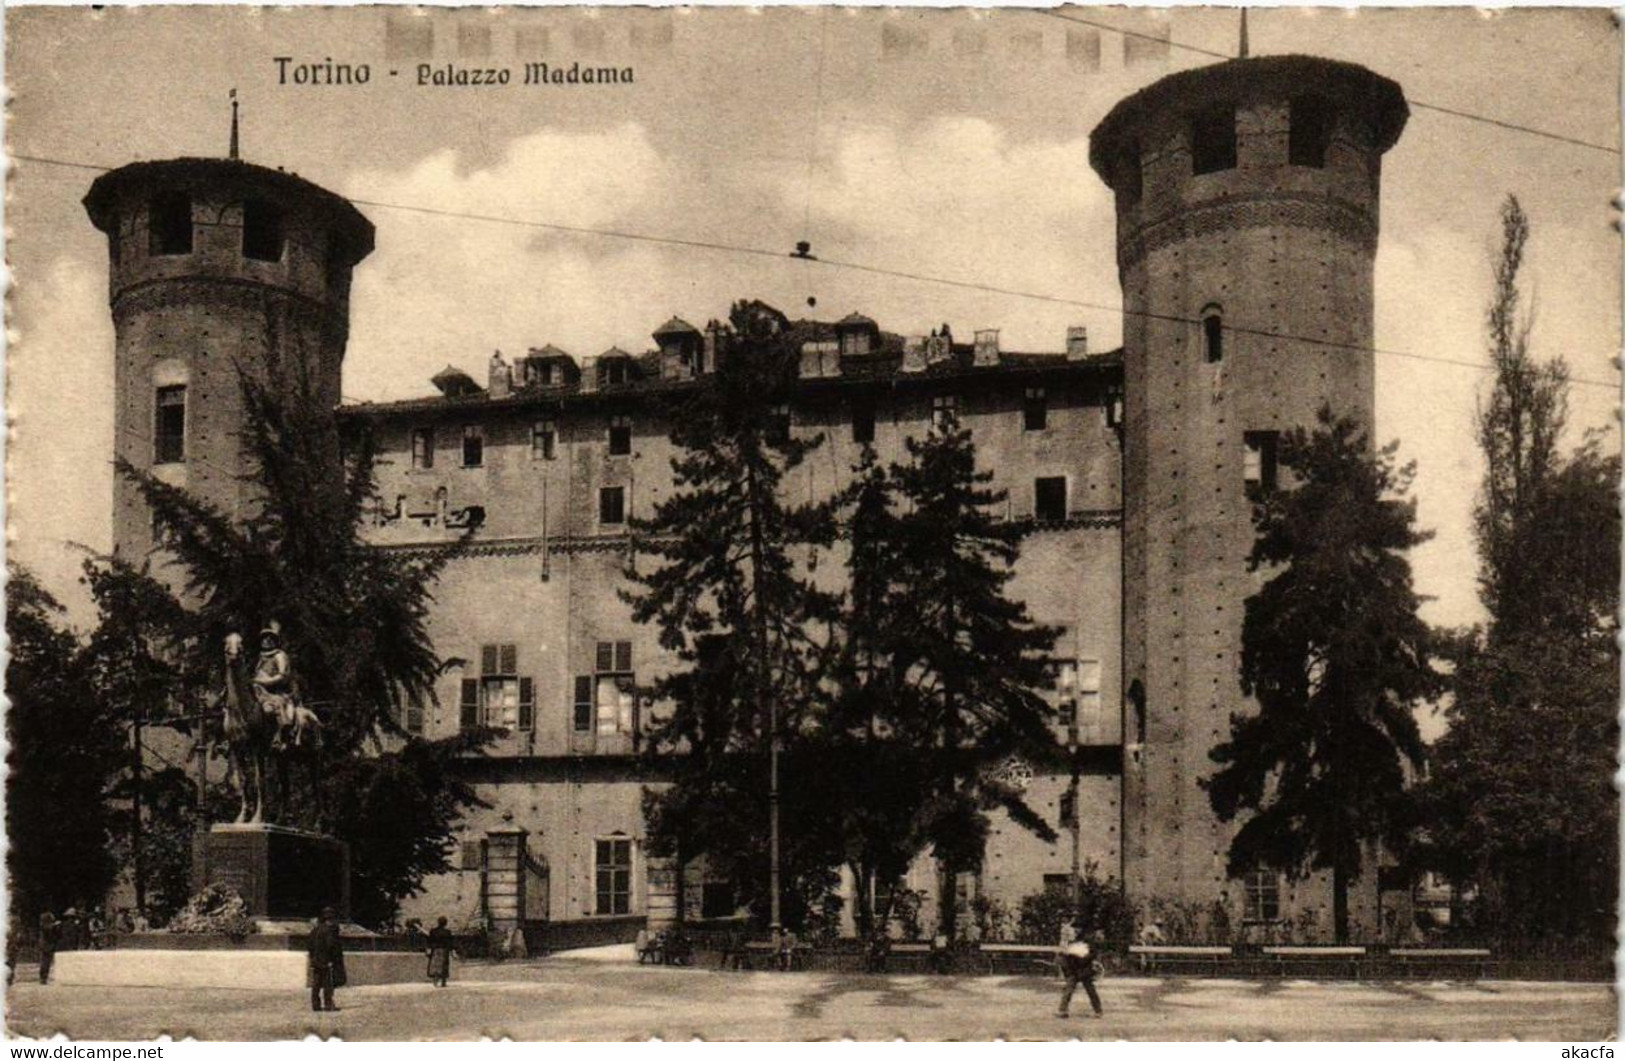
(169, 225)
(468, 715)
(614, 689)
(262, 231)
(473, 855)
(1034, 410)
(1310, 133)
(502, 694)
(612, 860)
(542, 436)
(1263, 889)
(944, 411)
(863, 423)
(412, 716)
(620, 436)
(473, 447)
(1258, 467)
(612, 506)
(612, 371)
(1058, 884)
(423, 447)
(583, 704)
(778, 424)
(1213, 140)
(1049, 498)
(169, 426)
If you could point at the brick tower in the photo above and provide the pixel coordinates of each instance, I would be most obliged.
(215, 263)
(1247, 215)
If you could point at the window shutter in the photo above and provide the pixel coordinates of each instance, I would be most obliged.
(583, 703)
(470, 715)
(606, 657)
(527, 704)
(488, 659)
(623, 656)
(510, 659)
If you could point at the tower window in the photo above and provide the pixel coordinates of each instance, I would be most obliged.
(423, 447)
(612, 505)
(1049, 498)
(1213, 334)
(1034, 410)
(1311, 131)
(262, 231)
(1213, 140)
(1258, 461)
(169, 224)
(620, 436)
(169, 426)
(473, 447)
(1263, 896)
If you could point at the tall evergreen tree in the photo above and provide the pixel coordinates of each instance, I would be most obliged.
(1520, 802)
(1337, 659)
(354, 623)
(974, 663)
(65, 750)
(729, 600)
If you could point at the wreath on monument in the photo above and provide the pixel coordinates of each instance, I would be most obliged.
(216, 910)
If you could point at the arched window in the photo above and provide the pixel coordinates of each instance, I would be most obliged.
(1213, 333)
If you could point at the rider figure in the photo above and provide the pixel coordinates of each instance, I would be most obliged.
(273, 676)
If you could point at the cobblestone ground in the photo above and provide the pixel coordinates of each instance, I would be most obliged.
(565, 999)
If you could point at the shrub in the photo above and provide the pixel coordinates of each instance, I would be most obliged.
(214, 910)
(1101, 905)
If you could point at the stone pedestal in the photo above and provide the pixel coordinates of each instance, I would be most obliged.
(279, 872)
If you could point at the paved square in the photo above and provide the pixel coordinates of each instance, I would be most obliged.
(569, 999)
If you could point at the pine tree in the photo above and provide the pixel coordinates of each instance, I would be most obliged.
(729, 600)
(354, 620)
(974, 663)
(1337, 658)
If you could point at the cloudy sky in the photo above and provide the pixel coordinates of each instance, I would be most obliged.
(951, 143)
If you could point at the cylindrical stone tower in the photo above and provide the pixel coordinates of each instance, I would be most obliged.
(1246, 233)
(215, 263)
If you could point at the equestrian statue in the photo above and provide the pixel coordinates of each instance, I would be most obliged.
(263, 719)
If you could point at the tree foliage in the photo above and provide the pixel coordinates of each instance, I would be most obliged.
(1520, 803)
(65, 751)
(1337, 659)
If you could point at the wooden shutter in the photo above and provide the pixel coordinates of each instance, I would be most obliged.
(527, 704)
(583, 703)
(606, 657)
(509, 659)
(488, 659)
(470, 714)
(623, 656)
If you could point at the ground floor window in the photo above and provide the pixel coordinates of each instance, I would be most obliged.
(613, 868)
(1263, 895)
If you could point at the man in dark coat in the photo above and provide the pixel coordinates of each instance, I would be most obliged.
(325, 969)
(50, 938)
(441, 943)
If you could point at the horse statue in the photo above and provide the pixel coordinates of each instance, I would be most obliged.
(249, 732)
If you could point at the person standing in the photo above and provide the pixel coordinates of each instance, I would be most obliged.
(441, 943)
(1078, 966)
(50, 938)
(73, 930)
(325, 969)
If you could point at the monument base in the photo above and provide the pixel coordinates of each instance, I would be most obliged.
(281, 873)
(228, 966)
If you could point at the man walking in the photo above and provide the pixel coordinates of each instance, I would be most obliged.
(1078, 965)
(50, 937)
(441, 943)
(325, 969)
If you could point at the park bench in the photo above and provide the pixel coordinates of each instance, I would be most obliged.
(1467, 962)
(764, 950)
(1017, 957)
(1313, 961)
(1177, 958)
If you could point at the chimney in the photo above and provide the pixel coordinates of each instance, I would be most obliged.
(501, 381)
(914, 352)
(1077, 343)
(939, 346)
(986, 351)
(708, 352)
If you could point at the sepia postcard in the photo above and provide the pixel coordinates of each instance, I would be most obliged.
(809, 523)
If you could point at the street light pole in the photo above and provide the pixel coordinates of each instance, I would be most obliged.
(776, 913)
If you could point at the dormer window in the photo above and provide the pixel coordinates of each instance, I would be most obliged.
(169, 224)
(262, 231)
(1213, 140)
(1311, 131)
(612, 371)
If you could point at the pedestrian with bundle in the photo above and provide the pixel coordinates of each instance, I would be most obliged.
(1079, 965)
